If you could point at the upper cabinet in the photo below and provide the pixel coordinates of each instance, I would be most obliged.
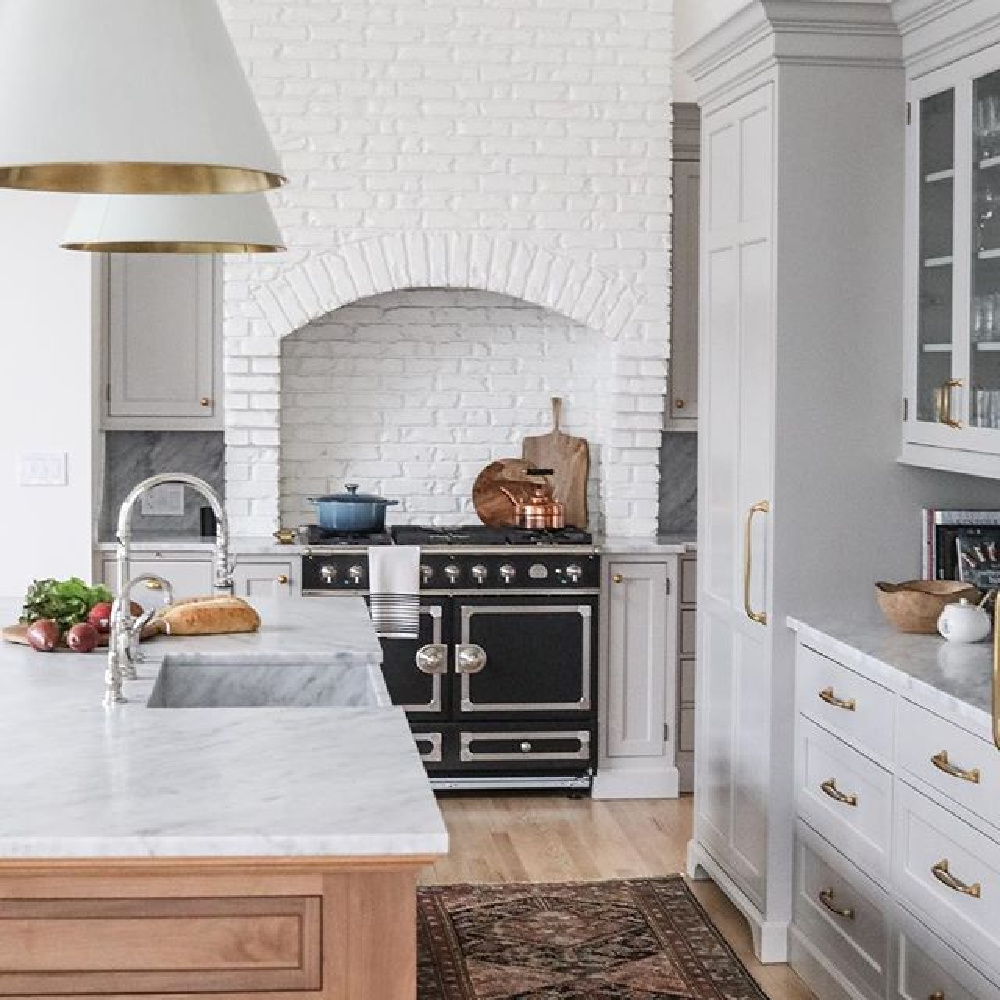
(952, 408)
(162, 356)
(682, 405)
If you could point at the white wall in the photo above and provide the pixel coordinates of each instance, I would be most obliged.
(692, 19)
(46, 304)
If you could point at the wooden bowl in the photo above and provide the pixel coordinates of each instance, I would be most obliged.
(915, 605)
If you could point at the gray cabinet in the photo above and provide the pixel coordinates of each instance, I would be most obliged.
(642, 649)
(682, 403)
(263, 578)
(162, 357)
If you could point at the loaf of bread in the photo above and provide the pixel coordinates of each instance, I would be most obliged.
(209, 616)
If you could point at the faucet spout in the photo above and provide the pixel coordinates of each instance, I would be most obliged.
(223, 570)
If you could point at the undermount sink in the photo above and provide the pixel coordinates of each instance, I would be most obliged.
(231, 684)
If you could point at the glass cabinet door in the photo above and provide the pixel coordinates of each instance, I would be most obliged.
(936, 256)
(984, 315)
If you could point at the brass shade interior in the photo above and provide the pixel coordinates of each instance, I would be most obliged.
(174, 247)
(138, 178)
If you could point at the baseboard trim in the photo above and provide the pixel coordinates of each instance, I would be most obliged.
(815, 973)
(627, 783)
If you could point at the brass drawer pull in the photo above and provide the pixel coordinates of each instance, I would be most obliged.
(941, 762)
(827, 898)
(282, 578)
(945, 877)
(204, 401)
(847, 704)
(829, 787)
(618, 578)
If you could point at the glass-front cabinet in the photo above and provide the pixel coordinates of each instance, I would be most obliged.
(952, 409)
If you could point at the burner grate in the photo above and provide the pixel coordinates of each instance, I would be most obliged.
(313, 534)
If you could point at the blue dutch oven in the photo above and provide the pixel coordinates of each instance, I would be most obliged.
(363, 513)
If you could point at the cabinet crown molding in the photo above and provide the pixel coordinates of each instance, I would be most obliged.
(768, 33)
(935, 32)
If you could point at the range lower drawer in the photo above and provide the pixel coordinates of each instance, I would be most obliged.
(849, 705)
(454, 748)
(950, 760)
(840, 914)
(845, 797)
(949, 872)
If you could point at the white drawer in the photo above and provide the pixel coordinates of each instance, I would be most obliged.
(840, 914)
(923, 966)
(859, 710)
(689, 581)
(689, 626)
(845, 797)
(949, 872)
(950, 760)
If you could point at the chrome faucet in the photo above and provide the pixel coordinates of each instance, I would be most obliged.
(223, 570)
(124, 635)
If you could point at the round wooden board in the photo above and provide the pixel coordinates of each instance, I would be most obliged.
(494, 507)
(18, 634)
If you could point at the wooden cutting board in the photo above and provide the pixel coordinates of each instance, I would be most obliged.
(18, 634)
(494, 507)
(569, 459)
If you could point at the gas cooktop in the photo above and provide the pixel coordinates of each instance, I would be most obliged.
(433, 535)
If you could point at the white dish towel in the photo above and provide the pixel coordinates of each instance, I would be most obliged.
(394, 590)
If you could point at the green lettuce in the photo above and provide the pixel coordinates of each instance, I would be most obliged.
(67, 602)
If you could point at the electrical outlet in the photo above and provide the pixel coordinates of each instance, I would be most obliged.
(42, 468)
(165, 500)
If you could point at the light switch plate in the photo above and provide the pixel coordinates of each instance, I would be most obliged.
(165, 500)
(41, 468)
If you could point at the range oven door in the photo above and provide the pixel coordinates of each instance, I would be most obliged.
(416, 670)
(521, 657)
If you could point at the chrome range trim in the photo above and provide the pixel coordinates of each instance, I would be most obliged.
(468, 755)
(434, 705)
(527, 781)
(472, 550)
(433, 754)
(478, 592)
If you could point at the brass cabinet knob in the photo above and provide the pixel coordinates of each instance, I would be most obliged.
(679, 404)
(618, 578)
(205, 401)
(283, 579)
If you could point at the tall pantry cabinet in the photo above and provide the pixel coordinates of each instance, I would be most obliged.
(800, 348)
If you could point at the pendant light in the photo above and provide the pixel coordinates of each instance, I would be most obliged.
(127, 96)
(173, 223)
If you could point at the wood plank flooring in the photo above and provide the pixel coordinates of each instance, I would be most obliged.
(552, 838)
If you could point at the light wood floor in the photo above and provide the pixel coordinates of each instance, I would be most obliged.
(552, 838)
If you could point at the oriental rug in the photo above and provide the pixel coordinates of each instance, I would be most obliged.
(641, 939)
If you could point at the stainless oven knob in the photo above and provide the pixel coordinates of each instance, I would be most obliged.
(525, 747)
(479, 573)
(355, 573)
(507, 572)
(574, 572)
(452, 572)
(426, 573)
(329, 573)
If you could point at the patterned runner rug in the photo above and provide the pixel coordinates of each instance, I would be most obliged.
(643, 939)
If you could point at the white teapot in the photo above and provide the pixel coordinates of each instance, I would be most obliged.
(964, 622)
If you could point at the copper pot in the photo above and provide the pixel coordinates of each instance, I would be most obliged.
(536, 510)
(557, 514)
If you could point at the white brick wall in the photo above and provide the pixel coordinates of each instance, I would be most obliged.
(515, 146)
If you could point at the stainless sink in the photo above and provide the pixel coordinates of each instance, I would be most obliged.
(241, 684)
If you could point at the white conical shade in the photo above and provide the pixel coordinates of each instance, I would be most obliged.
(173, 223)
(127, 96)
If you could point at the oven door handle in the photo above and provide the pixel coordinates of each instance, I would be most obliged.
(469, 658)
(432, 658)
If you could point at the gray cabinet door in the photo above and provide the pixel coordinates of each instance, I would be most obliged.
(683, 401)
(162, 366)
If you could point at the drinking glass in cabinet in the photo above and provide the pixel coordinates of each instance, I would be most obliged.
(936, 212)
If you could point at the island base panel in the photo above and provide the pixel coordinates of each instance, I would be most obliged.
(277, 930)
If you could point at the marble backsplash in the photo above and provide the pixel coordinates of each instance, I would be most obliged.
(131, 456)
(678, 483)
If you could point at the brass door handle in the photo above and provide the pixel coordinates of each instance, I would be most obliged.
(761, 507)
(829, 787)
(282, 579)
(945, 877)
(679, 404)
(941, 762)
(847, 704)
(618, 578)
(827, 897)
(944, 402)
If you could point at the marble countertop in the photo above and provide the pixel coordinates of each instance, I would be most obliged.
(82, 781)
(661, 545)
(954, 680)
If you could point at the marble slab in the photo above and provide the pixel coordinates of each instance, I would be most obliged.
(954, 680)
(677, 544)
(82, 781)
